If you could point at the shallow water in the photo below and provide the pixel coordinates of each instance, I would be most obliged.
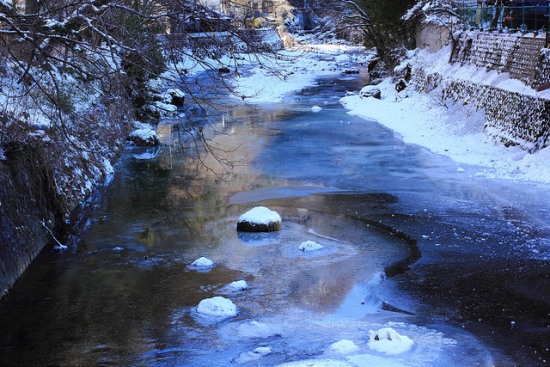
(124, 293)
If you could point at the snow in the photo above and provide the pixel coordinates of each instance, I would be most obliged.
(60, 247)
(108, 167)
(387, 340)
(202, 262)
(2, 155)
(254, 355)
(239, 285)
(317, 363)
(453, 131)
(176, 92)
(147, 155)
(316, 109)
(294, 69)
(219, 307)
(260, 215)
(6, 4)
(256, 330)
(309, 246)
(344, 346)
(145, 132)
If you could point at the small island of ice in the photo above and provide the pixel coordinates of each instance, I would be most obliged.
(202, 262)
(387, 340)
(260, 219)
(309, 246)
(217, 307)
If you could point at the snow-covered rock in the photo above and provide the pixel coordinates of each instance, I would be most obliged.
(370, 91)
(344, 346)
(173, 96)
(387, 340)
(239, 285)
(146, 135)
(202, 262)
(309, 246)
(316, 109)
(217, 307)
(60, 247)
(260, 219)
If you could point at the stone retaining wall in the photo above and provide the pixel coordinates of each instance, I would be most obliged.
(512, 118)
(523, 56)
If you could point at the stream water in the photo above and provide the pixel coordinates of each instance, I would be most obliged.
(456, 263)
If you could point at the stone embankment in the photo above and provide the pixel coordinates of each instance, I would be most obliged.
(514, 116)
(46, 176)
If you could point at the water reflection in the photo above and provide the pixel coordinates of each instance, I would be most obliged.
(125, 296)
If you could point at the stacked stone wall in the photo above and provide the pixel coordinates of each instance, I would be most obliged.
(523, 56)
(512, 118)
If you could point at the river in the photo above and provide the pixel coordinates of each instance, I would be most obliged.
(457, 264)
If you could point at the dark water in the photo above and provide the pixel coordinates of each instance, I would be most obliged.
(124, 293)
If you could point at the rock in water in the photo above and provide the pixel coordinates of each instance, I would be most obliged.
(202, 262)
(309, 246)
(217, 307)
(260, 219)
(388, 341)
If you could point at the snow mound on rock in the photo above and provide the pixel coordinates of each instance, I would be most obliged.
(316, 109)
(217, 307)
(144, 135)
(239, 285)
(260, 219)
(309, 246)
(387, 340)
(344, 346)
(202, 262)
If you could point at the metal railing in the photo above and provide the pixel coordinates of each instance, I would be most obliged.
(532, 18)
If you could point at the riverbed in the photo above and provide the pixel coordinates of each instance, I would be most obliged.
(458, 264)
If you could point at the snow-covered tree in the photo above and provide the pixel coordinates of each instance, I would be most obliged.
(74, 75)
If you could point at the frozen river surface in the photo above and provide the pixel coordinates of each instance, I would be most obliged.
(456, 265)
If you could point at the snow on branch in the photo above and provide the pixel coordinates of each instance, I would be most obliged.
(431, 11)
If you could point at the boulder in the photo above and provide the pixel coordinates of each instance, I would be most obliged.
(224, 70)
(401, 85)
(367, 92)
(260, 219)
(144, 136)
(174, 97)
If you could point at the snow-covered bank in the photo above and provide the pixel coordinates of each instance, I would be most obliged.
(451, 129)
(297, 68)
